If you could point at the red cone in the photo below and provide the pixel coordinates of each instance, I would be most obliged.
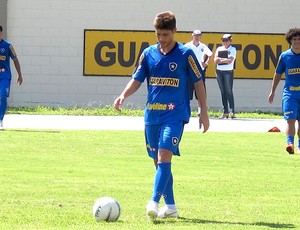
(274, 129)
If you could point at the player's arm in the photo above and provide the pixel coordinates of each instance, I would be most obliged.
(203, 118)
(18, 68)
(275, 82)
(130, 89)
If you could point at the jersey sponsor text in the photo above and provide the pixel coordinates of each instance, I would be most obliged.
(160, 81)
(294, 71)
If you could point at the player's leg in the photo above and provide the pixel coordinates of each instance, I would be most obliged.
(169, 145)
(290, 134)
(290, 113)
(4, 94)
(298, 132)
(152, 139)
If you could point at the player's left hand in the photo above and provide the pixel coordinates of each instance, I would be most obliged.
(271, 97)
(20, 80)
(204, 122)
(118, 102)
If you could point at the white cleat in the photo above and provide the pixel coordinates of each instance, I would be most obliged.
(166, 212)
(152, 210)
(1, 125)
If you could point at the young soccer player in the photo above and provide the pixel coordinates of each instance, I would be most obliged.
(6, 52)
(168, 67)
(289, 63)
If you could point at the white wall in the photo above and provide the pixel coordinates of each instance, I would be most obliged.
(48, 37)
(3, 16)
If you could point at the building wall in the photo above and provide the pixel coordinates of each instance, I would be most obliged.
(48, 37)
(3, 15)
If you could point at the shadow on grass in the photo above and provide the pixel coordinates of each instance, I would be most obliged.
(199, 221)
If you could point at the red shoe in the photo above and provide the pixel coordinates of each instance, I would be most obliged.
(290, 148)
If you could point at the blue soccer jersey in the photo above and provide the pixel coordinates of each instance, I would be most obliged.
(289, 63)
(6, 52)
(168, 81)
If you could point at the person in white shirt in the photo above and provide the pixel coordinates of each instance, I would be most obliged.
(203, 54)
(224, 58)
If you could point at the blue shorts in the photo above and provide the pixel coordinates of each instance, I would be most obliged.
(4, 87)
(290, 108)
(163, 136)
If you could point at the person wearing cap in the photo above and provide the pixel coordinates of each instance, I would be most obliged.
(203, 54)
(224, 59)
(289, 65)
(6, 52)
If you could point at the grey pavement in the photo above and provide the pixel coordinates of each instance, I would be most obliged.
(64, 122)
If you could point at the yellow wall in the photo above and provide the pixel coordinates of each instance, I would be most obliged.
(115, 53)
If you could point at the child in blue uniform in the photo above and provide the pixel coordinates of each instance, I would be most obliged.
(289, 64)
(6, 52)
(168, 68)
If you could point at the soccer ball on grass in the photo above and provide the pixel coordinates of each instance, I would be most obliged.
(106, 209)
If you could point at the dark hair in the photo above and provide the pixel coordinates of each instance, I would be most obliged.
(165, 21)
(1, 28)
(293, 32)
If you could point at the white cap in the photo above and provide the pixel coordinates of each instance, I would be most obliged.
(227, 36)
(196, 32)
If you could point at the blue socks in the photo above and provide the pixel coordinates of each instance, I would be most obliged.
(168, 194)
(163, 183)
(290, 140)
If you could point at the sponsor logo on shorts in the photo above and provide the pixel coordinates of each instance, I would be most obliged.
(175, 140)
(150, 148)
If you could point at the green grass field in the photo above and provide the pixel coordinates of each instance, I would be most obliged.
(110, 111)
(51, 179)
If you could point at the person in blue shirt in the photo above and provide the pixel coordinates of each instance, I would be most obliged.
(6, 53)
(168, 68)
(289, 64)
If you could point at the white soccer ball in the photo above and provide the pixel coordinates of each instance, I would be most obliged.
(106, 209)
